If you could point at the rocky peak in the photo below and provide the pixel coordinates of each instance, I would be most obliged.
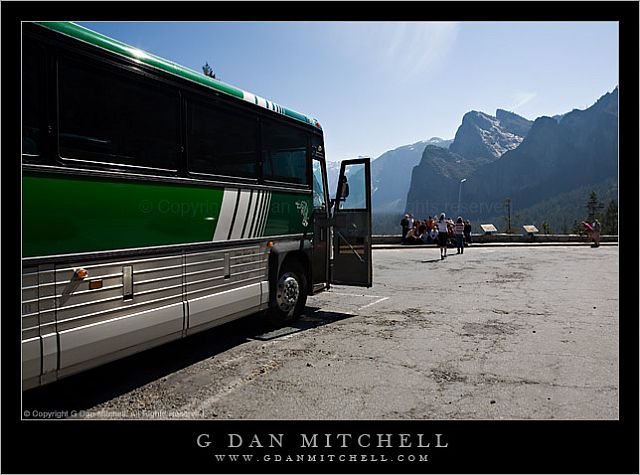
(514, 123)
(482, 136)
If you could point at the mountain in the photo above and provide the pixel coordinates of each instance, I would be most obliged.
(333, 172)
(436, 180)
(480, 139)
(484, 136)
(438, 142)
(513, 123)
(391, 174)
(555, 157)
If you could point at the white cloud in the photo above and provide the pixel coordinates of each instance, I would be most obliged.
(407, 48)
(521, 98)
(418, 47)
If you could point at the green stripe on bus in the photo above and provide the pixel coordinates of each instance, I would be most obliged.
(63, 215)
(286, 214)
(67, 215)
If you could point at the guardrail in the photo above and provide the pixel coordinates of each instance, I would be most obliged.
(504, 237)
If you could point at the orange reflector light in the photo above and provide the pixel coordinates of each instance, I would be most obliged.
(95, 284)
(270, 244)
(81, 273)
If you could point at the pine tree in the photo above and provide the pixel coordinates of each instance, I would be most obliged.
(593, 207)
(208, 71)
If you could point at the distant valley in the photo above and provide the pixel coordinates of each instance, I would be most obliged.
(390, 174)
(547, 168)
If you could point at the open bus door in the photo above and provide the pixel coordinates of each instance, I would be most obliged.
(352, 260)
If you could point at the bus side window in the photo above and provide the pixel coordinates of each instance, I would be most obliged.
(32, 102)
(221, 142)
(284, 153)
(116, 117)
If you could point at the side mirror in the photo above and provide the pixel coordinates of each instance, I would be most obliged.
(344, 189)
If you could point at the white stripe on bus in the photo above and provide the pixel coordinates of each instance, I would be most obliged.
(256, 219)
(251, 224)
(226, 214)
(256, 212)
(235, 213)
(241, 214)
(247, 221)
(247, 96)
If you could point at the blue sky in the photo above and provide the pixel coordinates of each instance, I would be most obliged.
(375, 86)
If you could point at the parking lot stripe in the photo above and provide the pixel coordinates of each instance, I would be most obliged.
(373, 303)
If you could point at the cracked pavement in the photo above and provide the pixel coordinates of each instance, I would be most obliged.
(495, 333)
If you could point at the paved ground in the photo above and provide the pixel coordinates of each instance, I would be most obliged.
(496, 333)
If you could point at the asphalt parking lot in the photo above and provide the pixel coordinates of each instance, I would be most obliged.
(511, 332)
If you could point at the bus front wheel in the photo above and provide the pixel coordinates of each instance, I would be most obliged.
(290, 293)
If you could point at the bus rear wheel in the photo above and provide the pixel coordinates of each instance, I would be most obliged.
(290, 294)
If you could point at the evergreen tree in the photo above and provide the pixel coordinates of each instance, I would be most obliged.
(593, 207)
(208, 71)
(610, 220)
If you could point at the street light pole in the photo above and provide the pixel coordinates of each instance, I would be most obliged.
(460, 194)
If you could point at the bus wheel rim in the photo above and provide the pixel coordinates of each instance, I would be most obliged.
(288, 292)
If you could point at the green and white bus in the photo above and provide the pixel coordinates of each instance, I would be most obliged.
(158, 202)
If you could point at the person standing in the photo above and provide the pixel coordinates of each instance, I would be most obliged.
(459, 232)
(467, 232)
(443, 234)
(450, 236)
(595, 234)
(405, 226)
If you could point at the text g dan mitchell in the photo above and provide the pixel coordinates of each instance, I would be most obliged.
(302, 440)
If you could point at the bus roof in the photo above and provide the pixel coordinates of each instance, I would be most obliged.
(101, 41)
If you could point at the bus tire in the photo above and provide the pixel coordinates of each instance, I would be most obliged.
(290, 293)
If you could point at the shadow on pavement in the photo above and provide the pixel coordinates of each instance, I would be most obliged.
(312, 317)
(98, 385)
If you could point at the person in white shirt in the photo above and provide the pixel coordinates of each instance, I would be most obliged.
(442, 235)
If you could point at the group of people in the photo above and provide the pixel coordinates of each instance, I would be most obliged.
(442, 231)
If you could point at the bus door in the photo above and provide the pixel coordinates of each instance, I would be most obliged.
(352, 261)
(320, 264)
